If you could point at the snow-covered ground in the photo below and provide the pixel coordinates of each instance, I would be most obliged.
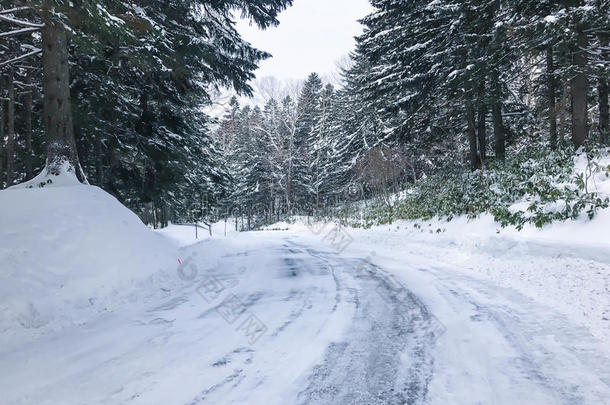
(96, 308)
(184, 235)
(565, 266)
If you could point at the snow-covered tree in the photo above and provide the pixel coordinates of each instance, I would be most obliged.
(125, 82)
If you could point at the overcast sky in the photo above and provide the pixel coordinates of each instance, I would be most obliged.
(312, 36)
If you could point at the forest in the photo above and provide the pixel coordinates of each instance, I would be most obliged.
(442, 104)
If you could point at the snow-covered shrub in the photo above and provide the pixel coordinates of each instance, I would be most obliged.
(534, 185)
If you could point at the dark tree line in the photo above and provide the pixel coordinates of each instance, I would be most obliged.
(113, 93)
(477, 69)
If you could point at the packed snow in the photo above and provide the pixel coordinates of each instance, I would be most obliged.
(565, 266)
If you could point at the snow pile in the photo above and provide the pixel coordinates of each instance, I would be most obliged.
(65, 178)
(67, 252)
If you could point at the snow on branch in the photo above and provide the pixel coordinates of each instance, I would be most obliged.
(24, 85)
(20, 22)
(18, 32)
(22, 57)
(14, 10)
(28, 67)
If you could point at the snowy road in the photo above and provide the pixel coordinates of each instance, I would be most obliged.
(273, 318)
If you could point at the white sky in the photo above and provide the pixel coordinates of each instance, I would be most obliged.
(312, 36)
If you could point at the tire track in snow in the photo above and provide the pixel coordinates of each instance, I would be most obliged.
(367, 368)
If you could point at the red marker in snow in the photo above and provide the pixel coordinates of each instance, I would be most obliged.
(179, 262)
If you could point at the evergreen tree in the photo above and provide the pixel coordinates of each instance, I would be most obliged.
(309, 111)
(144, 70)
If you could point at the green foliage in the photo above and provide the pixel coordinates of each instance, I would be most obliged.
(535, 185)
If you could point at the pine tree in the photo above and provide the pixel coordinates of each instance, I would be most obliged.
(322, 162)
(355, 128)
(144, 71)
(309, 110)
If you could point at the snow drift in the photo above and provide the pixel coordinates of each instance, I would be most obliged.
(65, 249)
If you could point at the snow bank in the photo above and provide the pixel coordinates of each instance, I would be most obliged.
(64, 251)
(185, 235)
(44, 179)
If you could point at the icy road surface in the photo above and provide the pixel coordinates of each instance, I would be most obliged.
(272, 318)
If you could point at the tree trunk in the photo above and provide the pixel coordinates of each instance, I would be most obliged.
(27, 103)
(2, 120)
(563, 110)
(154, 215)
(61, 146)
(475, 162)
(163, 215)
(499, 135)
(580, 89)
(602, 90)
(10, 141)
(496, 113)
(481, 130)
(551, 90)
(99, 164)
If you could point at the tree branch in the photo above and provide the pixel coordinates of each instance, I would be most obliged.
(22, 57)
(20, 22)
(18, 32)
(14, 10)
(28, 67)
(27, 85)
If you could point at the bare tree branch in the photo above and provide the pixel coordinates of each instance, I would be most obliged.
(22, 57)
(14, 10)
(20, 22)
(28, 67)
(18, 32)
(26, 85)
